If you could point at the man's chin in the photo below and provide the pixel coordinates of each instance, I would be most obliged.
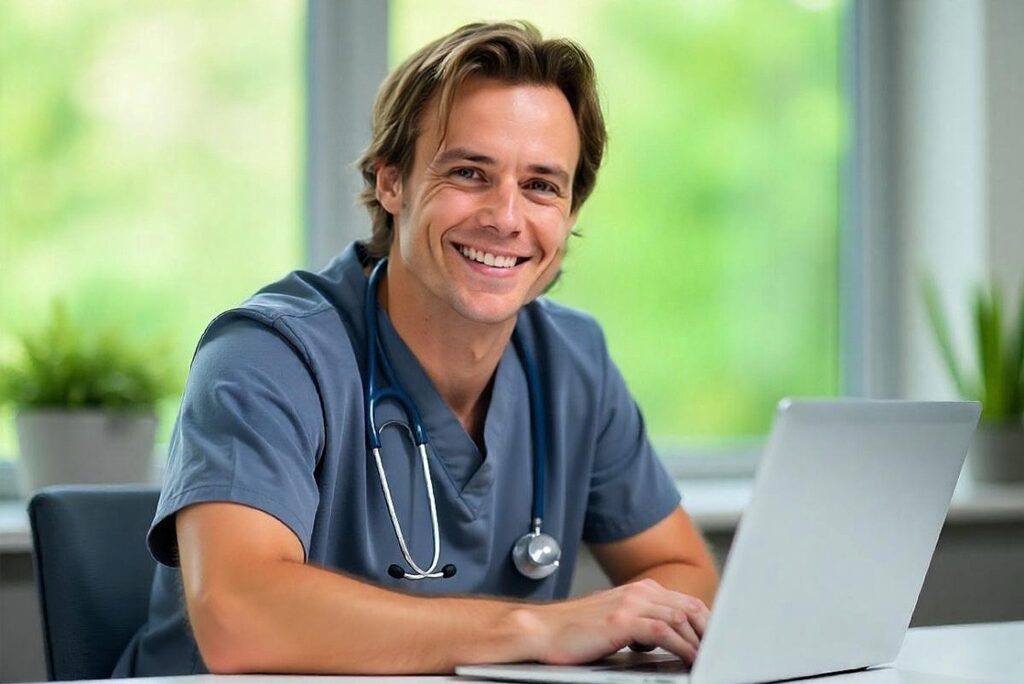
(490, 313)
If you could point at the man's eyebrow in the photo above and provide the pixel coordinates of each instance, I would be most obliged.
(464, 154)
(550, 170)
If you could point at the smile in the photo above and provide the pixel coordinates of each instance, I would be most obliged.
(488, 259)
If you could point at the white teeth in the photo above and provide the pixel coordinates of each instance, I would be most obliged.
(488, 258)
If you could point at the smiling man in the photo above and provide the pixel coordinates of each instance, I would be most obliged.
(483, 216)
(416, 401)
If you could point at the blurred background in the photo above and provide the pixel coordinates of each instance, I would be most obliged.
(153, 166)
(779, 173)
(780, 176)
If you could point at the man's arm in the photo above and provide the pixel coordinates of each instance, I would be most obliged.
(255, 606)
(671, 552)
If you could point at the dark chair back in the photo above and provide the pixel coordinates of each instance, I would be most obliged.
(93, 573)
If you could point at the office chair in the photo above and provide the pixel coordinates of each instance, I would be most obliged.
(93, 573)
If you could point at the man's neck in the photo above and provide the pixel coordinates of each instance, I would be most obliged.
(459, 356)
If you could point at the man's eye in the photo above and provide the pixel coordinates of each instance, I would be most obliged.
(542, 186)
(466, 173)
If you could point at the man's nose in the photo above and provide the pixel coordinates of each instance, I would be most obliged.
(502, 209)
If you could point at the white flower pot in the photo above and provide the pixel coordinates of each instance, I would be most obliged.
(88, 446)
(997, 453)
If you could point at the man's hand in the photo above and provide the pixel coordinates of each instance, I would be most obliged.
(644, 611)
(641, 614)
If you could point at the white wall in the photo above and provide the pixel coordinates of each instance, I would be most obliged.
(1004, 116)
(958, 200)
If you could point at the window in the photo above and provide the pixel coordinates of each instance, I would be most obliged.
(150, 162)
(142, 143)
(710, 246)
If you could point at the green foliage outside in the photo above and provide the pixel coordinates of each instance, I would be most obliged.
(709, 248)
(150, 165)
(998, 350)
(65, 366)
(150, 171)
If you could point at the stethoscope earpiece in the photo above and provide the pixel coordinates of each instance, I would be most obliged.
(535, 554)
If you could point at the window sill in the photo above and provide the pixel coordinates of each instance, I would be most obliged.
(715, 505)
(15, 536)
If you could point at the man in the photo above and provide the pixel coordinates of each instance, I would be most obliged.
(286, 527)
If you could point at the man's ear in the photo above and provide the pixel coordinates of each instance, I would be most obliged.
(389, 187)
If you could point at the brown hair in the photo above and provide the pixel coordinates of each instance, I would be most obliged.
(513, 52)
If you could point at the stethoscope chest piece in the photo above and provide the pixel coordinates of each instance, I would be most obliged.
(536, 554)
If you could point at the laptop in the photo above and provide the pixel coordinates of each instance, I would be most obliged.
(830, 555)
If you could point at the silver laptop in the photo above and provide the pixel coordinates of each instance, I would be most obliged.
(829, 557)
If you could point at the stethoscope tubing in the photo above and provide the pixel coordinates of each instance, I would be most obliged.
(535, 569)
(374, 393)
(418, 572)
(539, 429)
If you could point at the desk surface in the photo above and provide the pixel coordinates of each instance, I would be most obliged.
(980, 654)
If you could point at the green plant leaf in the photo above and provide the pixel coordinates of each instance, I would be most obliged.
(941, 329)
(1015, 361)
(982, 316)
(64, 365)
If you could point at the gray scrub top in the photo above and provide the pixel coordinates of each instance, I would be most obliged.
(273, 418)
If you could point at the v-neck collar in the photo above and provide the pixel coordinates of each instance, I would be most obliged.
(470, 472)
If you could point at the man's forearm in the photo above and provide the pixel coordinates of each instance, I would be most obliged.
(255, 606)
(288, 617)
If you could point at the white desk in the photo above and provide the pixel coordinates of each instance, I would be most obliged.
(961, 654)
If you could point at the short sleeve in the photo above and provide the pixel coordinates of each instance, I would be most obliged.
(630, 490)
(249, 431)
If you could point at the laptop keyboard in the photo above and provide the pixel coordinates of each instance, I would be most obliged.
(661, 666)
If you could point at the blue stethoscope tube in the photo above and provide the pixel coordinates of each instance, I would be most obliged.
(536, 554)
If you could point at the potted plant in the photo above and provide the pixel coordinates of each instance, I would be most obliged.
(997, 454)
(84, 405)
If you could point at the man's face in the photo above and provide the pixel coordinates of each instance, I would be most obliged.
(482, 219)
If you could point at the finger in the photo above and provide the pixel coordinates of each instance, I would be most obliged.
(685, 629)
(686, 613)
(695, 608)
(699, 619)
(675, 599)
(662, 634)
(680, 620)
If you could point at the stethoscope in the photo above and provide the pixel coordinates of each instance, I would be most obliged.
(536, 554)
